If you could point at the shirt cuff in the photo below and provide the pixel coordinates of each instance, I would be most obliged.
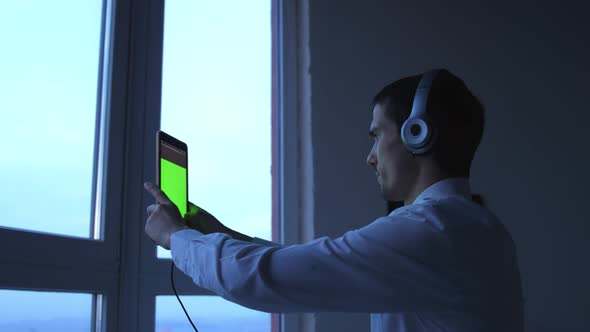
(190, 232)
(179, 241)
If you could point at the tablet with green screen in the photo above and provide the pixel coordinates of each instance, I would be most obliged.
(172, 170)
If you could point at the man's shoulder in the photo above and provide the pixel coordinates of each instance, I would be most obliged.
(416, 232)
(428, 214)
(407, 226)
(438, 230)
(437, 218)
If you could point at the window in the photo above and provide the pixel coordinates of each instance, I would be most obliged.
(216, 93)
(216, 97)
(81, 89)
(49, 64)
(209, 313)
(45, 311)
(57, 263)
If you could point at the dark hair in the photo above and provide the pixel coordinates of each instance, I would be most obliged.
(456, 115)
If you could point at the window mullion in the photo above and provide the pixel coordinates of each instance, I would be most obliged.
(136, 142)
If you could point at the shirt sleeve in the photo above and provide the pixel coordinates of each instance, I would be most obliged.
(383, 267)
(264, 242)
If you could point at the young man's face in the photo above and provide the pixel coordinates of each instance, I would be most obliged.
(395, 167)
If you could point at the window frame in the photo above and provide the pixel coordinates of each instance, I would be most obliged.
(294, 151)
(157, 270)
(122, 265)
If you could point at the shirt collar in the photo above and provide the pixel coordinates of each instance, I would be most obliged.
(457, 186)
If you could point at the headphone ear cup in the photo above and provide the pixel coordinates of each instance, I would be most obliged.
(416, 135)
(416, 132)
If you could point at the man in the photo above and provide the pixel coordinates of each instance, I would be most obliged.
(441, 262)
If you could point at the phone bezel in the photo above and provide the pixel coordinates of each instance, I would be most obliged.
(169, 139)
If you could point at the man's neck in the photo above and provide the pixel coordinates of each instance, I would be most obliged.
(424, 181)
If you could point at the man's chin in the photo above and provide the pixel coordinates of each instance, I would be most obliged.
(387, 195)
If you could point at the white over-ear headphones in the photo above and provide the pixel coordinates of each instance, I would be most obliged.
(417, 132)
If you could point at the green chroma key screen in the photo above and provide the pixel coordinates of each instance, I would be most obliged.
(173, 170)
(173, 178)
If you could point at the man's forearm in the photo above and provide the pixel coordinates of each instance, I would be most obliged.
(239, 236)
(243, 237)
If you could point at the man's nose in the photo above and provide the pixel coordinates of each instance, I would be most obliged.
(371, 160)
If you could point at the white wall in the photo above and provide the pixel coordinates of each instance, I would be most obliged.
(529, 65)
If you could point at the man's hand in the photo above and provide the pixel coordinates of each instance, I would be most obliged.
(163, 218)
(206, 223)
(203, 221)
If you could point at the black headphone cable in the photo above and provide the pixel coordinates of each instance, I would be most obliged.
(176, 293)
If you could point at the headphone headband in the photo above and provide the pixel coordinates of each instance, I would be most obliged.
(422, 92)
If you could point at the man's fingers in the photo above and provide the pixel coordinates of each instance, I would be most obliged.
(151, 209)
(193, 210)
(158, 194)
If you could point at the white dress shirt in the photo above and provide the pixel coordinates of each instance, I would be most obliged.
(443, 263)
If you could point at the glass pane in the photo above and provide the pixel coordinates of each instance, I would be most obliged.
(48, 86)
(216, 97)
(28, 311)
(208, 313)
